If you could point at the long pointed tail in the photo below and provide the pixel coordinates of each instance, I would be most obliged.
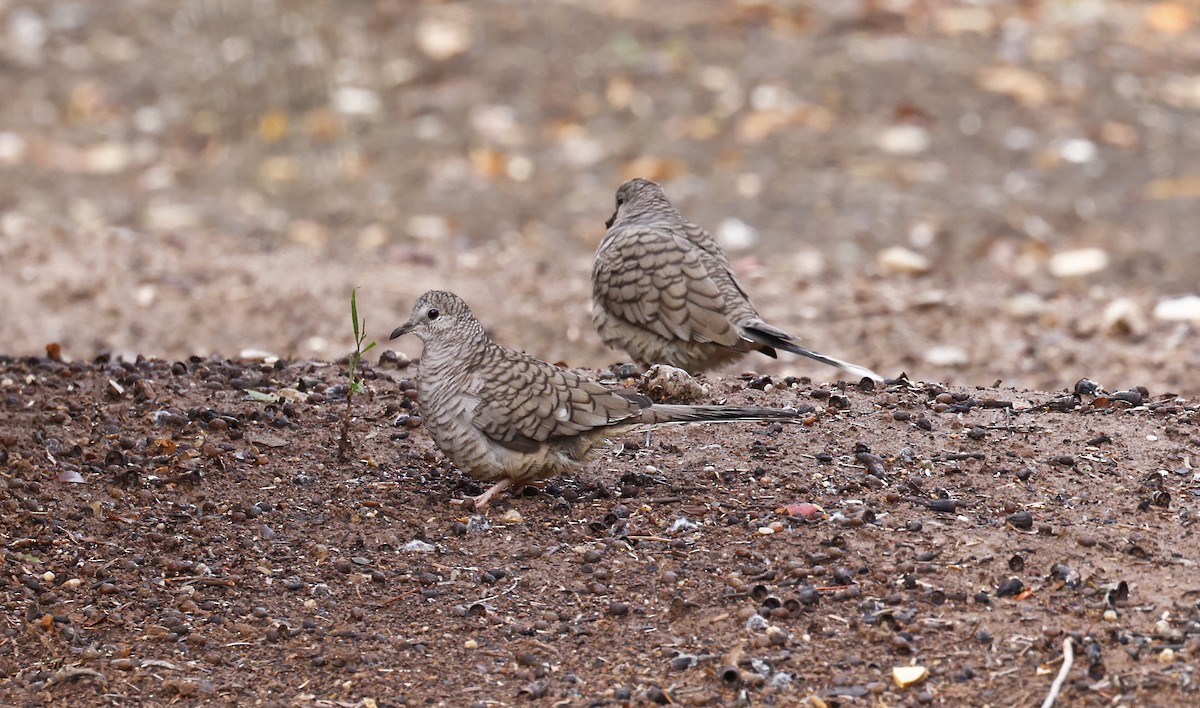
(853, 369)
(662, 413)
(776, 338)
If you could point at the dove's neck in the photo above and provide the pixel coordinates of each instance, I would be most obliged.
(446, 356)
(649, 210)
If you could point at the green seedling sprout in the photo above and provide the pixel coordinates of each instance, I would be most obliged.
(356, 385)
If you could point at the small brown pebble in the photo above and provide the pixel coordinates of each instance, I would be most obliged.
(1087, 540)
(618, 609)
(901, 416)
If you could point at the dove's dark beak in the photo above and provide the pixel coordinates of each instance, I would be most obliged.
(608, 224)
(402, 330)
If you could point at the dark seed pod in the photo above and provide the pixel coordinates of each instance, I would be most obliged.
(759, 383)
(1133, 398)
(683, 662)
(1012, 586)
(943, 505)
(1021, 520)
(808, 595)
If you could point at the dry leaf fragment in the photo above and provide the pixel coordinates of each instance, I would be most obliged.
(1168, 17)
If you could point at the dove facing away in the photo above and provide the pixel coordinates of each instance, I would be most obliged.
(664, 291)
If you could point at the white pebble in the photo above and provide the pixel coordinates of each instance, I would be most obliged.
(445, 35)
(906, 139)
(352, 101)
(735, 234)
(107, 158)
(1078, 151)
(1025, 306)
(947, 356)
(1078, 263)
(12, 148)
(900, 260)
(1177, 309)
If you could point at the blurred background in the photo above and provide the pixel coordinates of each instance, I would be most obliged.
(966, 191)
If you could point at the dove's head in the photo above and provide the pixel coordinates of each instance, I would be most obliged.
(439, 315)
(637, 197)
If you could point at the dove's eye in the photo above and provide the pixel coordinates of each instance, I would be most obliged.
(433, 313)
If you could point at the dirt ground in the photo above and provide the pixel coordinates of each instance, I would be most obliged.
(1002, 197)
(170, 539)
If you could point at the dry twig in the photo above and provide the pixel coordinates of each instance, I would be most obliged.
(1068, 659)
